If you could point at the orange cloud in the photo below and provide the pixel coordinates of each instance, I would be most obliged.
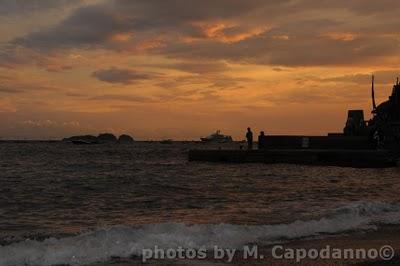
(225, 32)
(281, 37)
(7, 106)
(121, 37)
(150, 44)
(341, 36)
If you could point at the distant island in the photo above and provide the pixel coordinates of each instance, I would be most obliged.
(104, 138)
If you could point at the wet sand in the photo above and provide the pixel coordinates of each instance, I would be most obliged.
(387, 235)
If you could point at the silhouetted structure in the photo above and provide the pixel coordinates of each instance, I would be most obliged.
(249, 137)
(384, 126)
(262, 141)
(355, 124)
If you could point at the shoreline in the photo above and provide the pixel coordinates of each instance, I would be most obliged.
(383, 236)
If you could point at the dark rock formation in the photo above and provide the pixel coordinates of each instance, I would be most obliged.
(84, 139)
(107, 138)
(89, 139)
(125, 139)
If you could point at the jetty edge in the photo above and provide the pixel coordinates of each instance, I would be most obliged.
(342, 158)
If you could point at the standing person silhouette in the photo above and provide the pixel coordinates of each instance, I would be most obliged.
(261, 140)
(249, 137)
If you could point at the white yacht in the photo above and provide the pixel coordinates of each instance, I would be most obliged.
(217, 137)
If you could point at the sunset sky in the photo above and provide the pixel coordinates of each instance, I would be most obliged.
(182, 69)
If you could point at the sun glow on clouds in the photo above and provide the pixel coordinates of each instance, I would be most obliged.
(122, 37)
(281, 37)
(163, 67)
(225, 32)
(341, 36)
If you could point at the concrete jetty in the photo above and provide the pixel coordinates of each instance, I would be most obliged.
(328, 157)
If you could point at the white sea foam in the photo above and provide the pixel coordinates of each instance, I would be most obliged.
(124, 241)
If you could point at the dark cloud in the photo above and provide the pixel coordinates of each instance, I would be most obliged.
(94, 25)
(300, 48)
(10, 90)
(381, 77)
(230, 30)
(122, 76)
(10, 57)
(177, 12)
(88, 26)
(367, 7)
(12, 7)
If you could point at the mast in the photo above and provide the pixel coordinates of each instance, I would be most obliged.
(373, 93)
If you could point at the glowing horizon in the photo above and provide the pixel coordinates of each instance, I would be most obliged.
(182, 69)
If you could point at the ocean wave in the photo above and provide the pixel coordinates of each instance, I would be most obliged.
(126, 241)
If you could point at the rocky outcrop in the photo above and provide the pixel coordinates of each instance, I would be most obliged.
(107, 138)
(125, 139)
(84, 139)
(89, 139)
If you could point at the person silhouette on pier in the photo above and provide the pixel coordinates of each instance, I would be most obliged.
(249, 137)
(261, 141)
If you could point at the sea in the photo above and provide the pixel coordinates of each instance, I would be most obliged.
(65, 204)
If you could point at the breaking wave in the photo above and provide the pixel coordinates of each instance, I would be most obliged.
(125, 241)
